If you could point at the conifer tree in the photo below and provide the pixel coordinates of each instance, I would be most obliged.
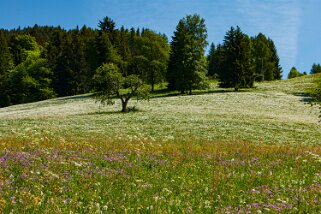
(187, 66)
(267, 65)
(294, 73)
(211, 60)
(6, 63)
(316, 68)
(262, 55)
(275, 60)
(237, 67)
(108, 26)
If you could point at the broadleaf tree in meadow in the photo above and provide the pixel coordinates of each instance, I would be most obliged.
(109, 82)
(237, 69)
(187, 64)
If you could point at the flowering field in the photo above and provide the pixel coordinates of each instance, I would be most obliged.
(143, 176)
(219, 152)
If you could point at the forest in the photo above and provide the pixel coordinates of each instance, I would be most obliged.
(42, 62)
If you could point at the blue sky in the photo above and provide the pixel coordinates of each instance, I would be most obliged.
(294, 25)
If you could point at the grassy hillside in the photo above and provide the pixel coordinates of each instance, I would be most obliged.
(276, 112)
(216, 152)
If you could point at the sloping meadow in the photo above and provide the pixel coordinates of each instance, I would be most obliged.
(252, 151)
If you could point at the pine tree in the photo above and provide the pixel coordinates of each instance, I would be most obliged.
(105, 50)
(108, 26)
(6, 63)
(267, 66)
(187, 66)
(237, 67)
(316, 68)
(211, 60)
(275, 60)
(89, 36)
(294, 73)
(79, 64)
(261, 56)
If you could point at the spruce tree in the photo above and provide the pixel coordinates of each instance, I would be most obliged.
(275, 60)
(316, 68)
(108, 26)
(187, 66)
(6, 63)
(267, 65)
(211, 60)
(294, 73)
(261, 56)
(237, 67)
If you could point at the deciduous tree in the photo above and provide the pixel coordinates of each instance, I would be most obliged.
(109, 83)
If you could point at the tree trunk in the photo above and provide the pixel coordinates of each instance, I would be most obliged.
(190, 92)
(153, 87)
(124, 105)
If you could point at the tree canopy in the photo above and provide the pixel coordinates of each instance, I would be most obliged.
(68, 59)
(41, 62)
(294, 73)
(237, 69)
(110, 82)
(316, 68)
(187, 64)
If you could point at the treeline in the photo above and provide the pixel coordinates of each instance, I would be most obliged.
(316, 68)
(42, 62)
(237, 63)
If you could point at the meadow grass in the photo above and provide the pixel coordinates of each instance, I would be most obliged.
(192, 176)
(214, 152)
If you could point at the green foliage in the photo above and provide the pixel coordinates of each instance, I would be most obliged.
(30, 80)
(6, 61)
(237, 68)
(20, 45)
(108, 26)
(275, 61)
(316, 68)
(150, 58)
(294, 73)
(6, 64)
(267, 66)
(74, 55)
(212, 61)
(109, 83)
(186, 63)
